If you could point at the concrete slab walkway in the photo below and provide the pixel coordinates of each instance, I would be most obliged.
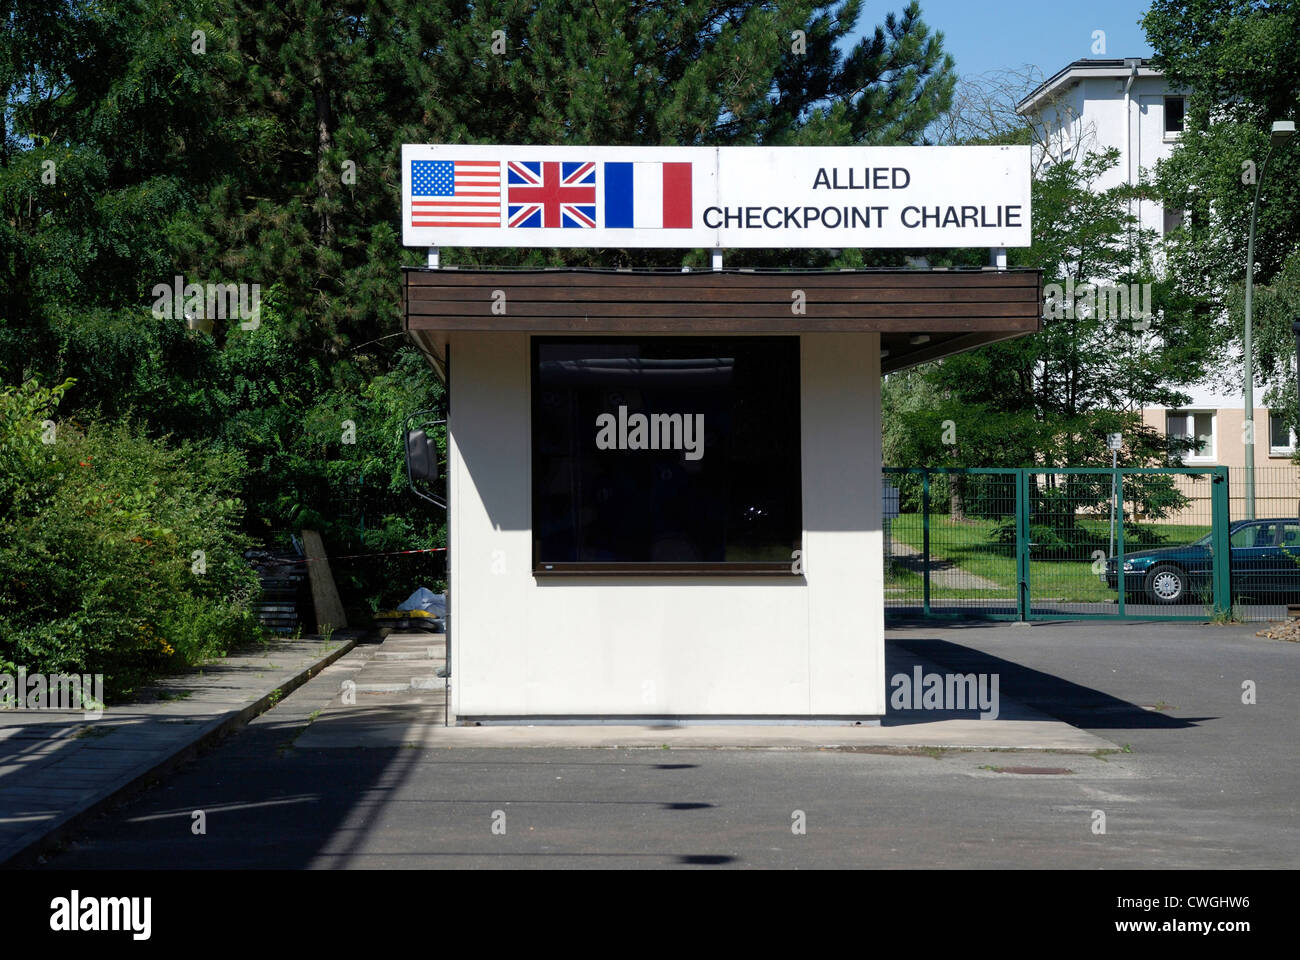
(58, 767)
(943, 572)
(397, 704)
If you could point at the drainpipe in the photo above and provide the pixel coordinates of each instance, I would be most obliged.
(1132, 64)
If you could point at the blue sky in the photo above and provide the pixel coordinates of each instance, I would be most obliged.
(985, 35)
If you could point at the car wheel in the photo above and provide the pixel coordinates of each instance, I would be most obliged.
(1166, 583)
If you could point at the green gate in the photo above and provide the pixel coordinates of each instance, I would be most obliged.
(1057, 542)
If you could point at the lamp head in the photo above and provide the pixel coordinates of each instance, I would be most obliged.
(1283, 130)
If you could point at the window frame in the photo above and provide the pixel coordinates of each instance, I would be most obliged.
(1274, 451)
(1168, 135)
(791, 569)
(1197, 457)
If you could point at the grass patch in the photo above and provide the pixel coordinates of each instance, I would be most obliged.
(969, 548)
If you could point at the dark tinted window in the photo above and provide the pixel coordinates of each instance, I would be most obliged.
(666, 450)
(1175, 107)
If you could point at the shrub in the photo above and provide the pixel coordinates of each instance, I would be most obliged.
(98, 538)
(1053, 542)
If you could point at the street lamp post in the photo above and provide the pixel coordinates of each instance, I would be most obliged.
(1295, 329)
(1283, 130)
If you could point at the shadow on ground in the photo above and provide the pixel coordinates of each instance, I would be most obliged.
(1077, 705)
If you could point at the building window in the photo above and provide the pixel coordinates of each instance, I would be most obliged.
(666, 454)
(1194, 432)
(1281, 438)
(1175, 116)
(1173, 220)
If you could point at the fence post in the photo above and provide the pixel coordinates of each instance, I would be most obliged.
(925, 541)
(1022, 543)
(1121, 578)
(1220, 547)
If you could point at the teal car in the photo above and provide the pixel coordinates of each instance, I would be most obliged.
(1264, 561)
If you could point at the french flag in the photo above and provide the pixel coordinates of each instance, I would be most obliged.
(653, 195)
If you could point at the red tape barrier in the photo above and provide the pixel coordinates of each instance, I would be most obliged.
(354, 556)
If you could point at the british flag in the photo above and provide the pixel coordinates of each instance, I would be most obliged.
(551, 194)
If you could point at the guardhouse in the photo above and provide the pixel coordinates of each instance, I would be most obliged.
(664, 487)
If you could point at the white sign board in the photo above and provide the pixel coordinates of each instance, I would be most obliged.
(715, 197)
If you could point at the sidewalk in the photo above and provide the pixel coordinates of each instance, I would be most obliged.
(58, 767)
(943, 572)
(399, 702)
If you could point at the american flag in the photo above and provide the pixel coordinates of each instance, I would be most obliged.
(551, 194)
(455, 193)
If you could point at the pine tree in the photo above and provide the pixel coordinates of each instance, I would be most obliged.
(353, 82)
(238, 141)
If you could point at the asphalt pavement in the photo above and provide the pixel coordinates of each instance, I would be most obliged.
(1195, 778)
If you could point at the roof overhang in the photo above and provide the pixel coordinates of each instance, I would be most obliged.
(1072, 73)
(921, 315)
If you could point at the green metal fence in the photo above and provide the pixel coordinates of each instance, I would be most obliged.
(1058, 543)
(1277, 491)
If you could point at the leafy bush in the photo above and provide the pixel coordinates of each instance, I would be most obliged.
(1052, 542)
(98, 538)
(1045, 538)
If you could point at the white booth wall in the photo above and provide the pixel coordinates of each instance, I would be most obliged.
(604, 647)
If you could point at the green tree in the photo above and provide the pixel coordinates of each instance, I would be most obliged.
(1051, 399)
(1241, 62)
(232, 141)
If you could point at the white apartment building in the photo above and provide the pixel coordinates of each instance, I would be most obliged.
(1127, 104)
(1099, 104)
